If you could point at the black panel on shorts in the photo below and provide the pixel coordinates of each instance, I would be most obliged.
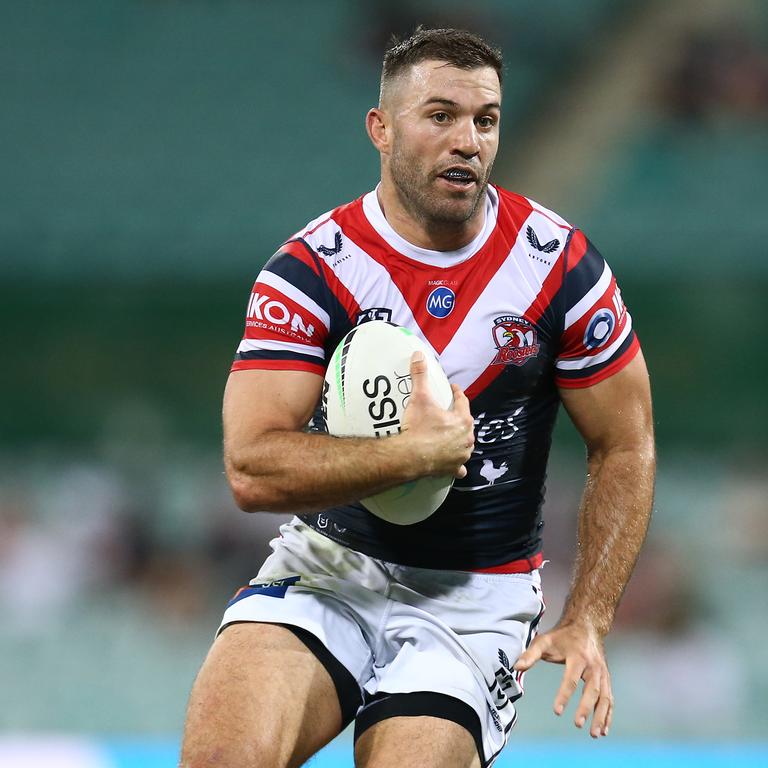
(382, 706)
(347, 688)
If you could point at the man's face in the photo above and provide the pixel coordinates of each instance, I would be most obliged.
(445, 133)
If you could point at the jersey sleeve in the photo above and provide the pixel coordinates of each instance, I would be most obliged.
(598, 339)
(288, 318)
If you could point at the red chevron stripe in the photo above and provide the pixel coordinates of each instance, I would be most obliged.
(416, 280)
(538, 306)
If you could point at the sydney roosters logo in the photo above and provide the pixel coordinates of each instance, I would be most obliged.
(516, 339)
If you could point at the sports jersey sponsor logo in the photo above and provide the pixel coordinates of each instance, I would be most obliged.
(488, 431)
(533, 239)
(618, 304)
(374, 313)
(276, 588)
(263, 308)
(337, 243)
(440, 301)
(599, 328)
(516, 339)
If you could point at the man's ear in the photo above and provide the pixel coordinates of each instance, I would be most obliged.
(377, 125)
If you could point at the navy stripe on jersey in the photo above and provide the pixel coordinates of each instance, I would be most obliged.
(592, 370)
(300, 275)
(583, 276)
(273, 354)
(325, 297)
(558, 305)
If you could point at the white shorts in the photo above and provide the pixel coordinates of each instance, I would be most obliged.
(397, 640)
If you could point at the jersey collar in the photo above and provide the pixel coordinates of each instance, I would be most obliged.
(375, 216)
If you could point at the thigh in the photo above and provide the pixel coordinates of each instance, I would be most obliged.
(427, 742)
(261, 698)
(454, 640)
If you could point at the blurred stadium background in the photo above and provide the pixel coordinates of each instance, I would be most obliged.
(155, 152)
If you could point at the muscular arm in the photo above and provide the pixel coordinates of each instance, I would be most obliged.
(272, 465)
(614, 418)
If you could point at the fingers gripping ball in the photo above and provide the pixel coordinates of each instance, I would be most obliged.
(367, 387)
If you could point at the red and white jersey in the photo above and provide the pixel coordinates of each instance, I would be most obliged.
(525, 308)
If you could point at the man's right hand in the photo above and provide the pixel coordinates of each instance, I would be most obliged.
(441, 440)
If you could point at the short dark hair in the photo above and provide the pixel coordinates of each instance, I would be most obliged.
(457, 47)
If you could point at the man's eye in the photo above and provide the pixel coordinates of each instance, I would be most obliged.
(441, 117)
(486, 122)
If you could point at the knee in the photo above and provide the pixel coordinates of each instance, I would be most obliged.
(200, 750)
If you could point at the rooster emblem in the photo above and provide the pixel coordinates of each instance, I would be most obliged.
(490, 472)
(516, 339)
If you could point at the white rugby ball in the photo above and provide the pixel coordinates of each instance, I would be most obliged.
(366, 390)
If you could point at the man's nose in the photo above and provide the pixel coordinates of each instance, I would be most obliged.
(466, 141)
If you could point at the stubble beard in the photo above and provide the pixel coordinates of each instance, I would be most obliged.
(415, 189)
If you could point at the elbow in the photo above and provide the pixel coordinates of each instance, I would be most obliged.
(644, 450)
(250, 494)
(245, 496)
(640, 452)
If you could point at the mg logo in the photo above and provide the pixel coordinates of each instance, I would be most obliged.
(440, 302)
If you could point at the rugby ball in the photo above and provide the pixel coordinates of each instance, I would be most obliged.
(365, 393)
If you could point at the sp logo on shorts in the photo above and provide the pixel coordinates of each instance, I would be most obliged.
(276, 588)
(516, 339)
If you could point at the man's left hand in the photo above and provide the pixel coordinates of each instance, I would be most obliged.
(580, 648)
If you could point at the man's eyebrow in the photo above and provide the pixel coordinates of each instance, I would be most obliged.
(455, 105)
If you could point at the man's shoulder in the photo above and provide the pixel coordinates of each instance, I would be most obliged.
(335, 217)
(526, 206)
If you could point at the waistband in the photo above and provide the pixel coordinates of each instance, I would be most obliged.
(524, 565)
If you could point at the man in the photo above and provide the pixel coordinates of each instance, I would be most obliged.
(421, 634)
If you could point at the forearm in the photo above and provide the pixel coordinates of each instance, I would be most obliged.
(299, 471)
(613, 521)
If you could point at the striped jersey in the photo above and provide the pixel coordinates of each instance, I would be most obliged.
(529, 306)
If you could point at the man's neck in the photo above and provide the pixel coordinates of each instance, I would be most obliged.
(435, 236)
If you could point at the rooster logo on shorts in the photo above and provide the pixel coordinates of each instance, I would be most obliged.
(516, 339)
